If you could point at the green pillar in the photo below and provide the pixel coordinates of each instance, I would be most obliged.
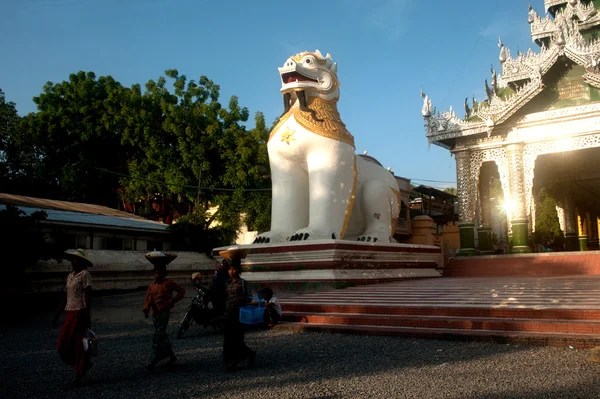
(520, 233)
(484, 235)
(516, 177)
(467, 239)
(583, 243)
(571, 242)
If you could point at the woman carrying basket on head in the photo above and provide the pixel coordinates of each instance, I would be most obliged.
(237, 295)
(160, 299)
(76, 302)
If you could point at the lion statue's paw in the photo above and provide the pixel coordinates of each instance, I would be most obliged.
(375, 238)
(312, 234)
(271, 237)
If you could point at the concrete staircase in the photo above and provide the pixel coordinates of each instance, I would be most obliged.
(546, 310)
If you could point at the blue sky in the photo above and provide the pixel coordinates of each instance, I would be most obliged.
(385, 50)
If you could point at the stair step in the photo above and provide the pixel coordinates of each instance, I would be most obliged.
(587, 303)
(579, 341)
(514, 312)
(448, 322)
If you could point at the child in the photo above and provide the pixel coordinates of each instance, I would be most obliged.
(159, 297)
(237, 294)
(273, 310)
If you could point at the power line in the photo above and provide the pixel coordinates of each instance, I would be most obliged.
(228, 189)
(181, 185)
(470, 55)
(433, 181)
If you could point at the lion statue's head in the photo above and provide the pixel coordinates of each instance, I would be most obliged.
(308, 75)
(311, 73)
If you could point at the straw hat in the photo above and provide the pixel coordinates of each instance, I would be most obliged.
(160, 259)
(233, 253)
(78, 254)
(196, 275)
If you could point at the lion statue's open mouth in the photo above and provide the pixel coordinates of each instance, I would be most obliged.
(293, 77)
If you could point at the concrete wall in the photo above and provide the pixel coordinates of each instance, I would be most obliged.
(118, 270)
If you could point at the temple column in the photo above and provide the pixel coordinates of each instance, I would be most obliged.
(560, 212)
(466, 206)
(519, 222)
(583, 230)
(593, 244)
(571, 229)
(484, 231)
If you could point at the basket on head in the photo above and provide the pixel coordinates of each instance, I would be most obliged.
(77, 255)
(233, 253)
(196, 275)
(160, 259)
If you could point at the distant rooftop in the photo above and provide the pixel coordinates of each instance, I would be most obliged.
(79, 214)
(19, 200)
(432, 192)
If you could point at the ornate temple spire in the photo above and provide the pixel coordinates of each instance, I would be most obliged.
(559, 35)
(504, 53)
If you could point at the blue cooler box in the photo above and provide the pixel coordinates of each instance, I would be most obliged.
(251, 314)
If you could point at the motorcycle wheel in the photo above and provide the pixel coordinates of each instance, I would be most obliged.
(185, 324)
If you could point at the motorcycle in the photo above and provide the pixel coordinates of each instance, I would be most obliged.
(202, 310)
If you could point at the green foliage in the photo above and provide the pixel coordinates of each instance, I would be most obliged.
(547, 227)
(191, 233)
(413, 195)
(77, 129)
(22, 237)
(167, 140)
(450, 190)
(189, 139)
(9, 154)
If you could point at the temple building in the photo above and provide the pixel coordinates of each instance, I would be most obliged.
(539, 128)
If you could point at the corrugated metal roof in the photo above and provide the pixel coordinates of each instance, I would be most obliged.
(20, 200)
(433, 192)
(121, 223)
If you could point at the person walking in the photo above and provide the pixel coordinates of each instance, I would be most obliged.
(218, 287)
(159, 298)
(238, 294)
(76, 302)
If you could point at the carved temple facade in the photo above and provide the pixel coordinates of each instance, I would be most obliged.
(539, 127)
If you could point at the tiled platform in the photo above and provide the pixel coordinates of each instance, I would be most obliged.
(545, 310)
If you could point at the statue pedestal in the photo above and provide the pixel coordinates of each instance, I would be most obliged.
(324, 264)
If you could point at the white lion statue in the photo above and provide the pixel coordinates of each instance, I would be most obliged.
(321, 189)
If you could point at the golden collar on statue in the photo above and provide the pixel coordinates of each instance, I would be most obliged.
(329, 125)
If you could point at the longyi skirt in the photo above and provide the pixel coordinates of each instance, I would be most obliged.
(70, 341)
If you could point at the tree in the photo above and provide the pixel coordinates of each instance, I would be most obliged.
(22, 235)
(413, 194)
(175, 144)
(193, 148)
(9, 125)
(450, 190)
(76, 131)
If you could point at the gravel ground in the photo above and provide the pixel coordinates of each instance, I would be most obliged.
(289, 364)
